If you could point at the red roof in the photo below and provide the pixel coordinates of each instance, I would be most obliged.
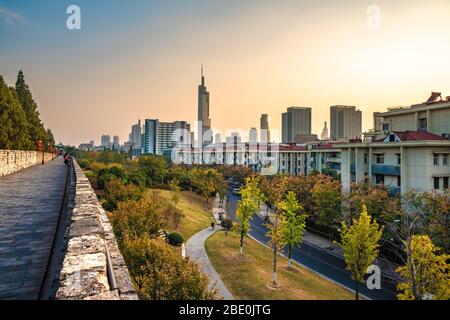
(415, 136)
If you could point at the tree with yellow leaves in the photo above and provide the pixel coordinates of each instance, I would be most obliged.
(276, 239)
(360, 245)
(426, 274)
(295, 223)
(249, 203)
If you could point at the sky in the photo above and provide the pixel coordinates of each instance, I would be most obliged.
(141, 59)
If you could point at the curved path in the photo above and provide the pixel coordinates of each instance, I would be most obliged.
(30, 204)
(195, 249)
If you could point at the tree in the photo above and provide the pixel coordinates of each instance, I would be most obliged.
(360, 245)
(13, 121)
(327, 201)
(155, 168)
(139, 218)
(249, 203)
(276, 240)
(161, 274)
(295, 223)
(376, 198)
(426, 273)
(36, 130)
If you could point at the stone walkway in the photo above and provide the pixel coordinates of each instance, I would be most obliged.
(30, 203)
(195, 249)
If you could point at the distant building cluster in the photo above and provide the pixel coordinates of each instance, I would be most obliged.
(407, 149)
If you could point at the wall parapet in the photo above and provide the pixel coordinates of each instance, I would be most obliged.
(15, 160)
(93, 267)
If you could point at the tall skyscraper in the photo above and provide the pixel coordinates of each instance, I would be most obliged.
(204, 121)
(135, 136)
(265, 130)
(116, 142)
(253, 135)
(296, 121)
(325, 134)
(106, 141)
(346, 123)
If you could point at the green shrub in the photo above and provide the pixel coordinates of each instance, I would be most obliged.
(84, 163)
(175, 239)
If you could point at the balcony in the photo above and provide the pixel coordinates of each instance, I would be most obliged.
(394, 191)
(386, 170)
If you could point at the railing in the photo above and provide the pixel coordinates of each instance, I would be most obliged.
(386, 170)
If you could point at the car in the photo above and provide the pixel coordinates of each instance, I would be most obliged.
(235, 191)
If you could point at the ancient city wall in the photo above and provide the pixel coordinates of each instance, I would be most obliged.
(93, 267)
(15, 160)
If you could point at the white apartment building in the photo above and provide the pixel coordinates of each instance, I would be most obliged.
(402, 161)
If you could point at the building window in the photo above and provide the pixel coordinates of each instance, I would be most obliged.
(422, 125)
(399, 159)
(445, 160)
(385, 126)
(399, 181)
(436, 183)
(436, 159)
(365, 158)
(445, 182)
(379, 158)
(379, 179)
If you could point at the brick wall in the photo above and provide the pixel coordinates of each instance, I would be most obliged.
(15, 160)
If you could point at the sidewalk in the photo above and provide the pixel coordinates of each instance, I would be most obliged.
(195, 249)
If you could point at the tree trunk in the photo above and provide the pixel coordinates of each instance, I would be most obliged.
(289, 255)
(242, 244)
(275, 265)
(357, 291)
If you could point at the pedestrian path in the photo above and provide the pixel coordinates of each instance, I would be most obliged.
(195, 249)
(30, 203)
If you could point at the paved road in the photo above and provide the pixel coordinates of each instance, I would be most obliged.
(195, 249)
(316, 258)
(30, 202)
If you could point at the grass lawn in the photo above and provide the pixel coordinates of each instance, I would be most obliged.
(250, 276)
(197, 213)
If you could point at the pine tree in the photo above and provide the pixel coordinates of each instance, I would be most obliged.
(36, 129)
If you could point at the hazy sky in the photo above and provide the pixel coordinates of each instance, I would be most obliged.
(142, 58)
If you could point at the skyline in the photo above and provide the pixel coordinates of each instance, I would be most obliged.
(258, 57)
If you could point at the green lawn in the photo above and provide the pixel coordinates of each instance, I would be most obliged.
(197, 213)
(249, 277)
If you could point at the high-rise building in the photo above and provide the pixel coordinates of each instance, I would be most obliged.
(346, 123)
(162, 136)
(135, 135)
(106, 141)
(264, 128)
(204, 121)
(253, 135)
(325, 134)
(297, 120)
(116, 142)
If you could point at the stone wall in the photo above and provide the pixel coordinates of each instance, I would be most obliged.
(93, 267)
(15, 160)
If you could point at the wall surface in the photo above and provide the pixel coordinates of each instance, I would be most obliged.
(92, 251)
(15, 160)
